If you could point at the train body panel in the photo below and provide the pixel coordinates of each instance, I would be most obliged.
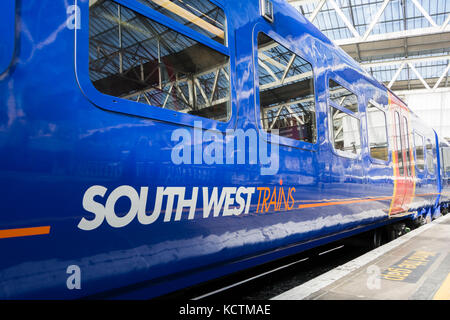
(145, 200)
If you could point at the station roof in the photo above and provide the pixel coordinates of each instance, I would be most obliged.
(403, 43)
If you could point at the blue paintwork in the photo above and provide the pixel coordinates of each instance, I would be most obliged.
(59, 136)
(7, 30)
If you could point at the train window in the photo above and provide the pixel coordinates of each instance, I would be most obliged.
(446, 159)
(343, 97)
(346, 135)
(286, 91)
(407, 146)
(202, 16)
(430, 157)
(377, 130)
(420, 159)
(135, 58)
(399, 143)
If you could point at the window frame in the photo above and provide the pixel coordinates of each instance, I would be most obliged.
(441, 162)
(399, 142)
(446, 173)
(332, 78)
(331, 103)
(133, 108)
(266, 28)
(415, 132)
(8, 22)
(380, 107)
(432, 159)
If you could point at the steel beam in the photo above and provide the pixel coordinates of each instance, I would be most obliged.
(341, 14)
(394, 35)
(400, 61)
(444, 74)
(425, 13)
(375, 19)
(419, 76)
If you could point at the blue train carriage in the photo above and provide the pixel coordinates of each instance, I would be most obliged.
(150, 145)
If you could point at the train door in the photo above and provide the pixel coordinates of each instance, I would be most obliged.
(410, 167)
(347, 171)
(402, 157)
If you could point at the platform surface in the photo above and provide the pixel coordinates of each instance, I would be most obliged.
(415, 266)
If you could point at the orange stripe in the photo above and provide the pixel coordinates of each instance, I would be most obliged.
(334, 200)
(328, 202)
(313, 205)
(24, 232)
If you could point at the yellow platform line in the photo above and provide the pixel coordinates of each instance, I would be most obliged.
(444, 291)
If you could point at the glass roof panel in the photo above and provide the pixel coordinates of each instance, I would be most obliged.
(399, 15)
(361, 12)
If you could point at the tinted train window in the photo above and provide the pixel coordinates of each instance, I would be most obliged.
(430, 157)
(346, 136)
(286, 91)
(378, 140)
(420, 159)
(343, 97)
(133, 57)
(407, 147)
(445, 154)
(202, 16)
(398, 139)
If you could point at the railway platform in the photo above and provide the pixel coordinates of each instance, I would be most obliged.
(415, 266)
